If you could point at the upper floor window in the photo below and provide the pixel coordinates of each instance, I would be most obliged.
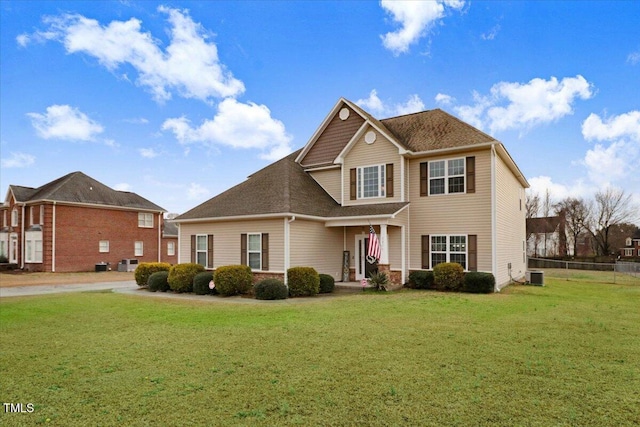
(145, 220)
(371, 180)
(446, 176)
(14, 218)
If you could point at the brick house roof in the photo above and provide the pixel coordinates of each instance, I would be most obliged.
(77, 187)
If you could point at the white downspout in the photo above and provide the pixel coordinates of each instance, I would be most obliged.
(159, 236)
(53, 239)
(22, 248)
(287, 246)
(494, 237)
(403, 253)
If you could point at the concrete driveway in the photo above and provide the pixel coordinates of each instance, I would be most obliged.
(19, 291)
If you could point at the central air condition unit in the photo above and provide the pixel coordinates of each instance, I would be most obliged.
(128, 265)
(535, 277)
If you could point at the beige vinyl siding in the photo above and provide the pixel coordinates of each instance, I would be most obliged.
(330, 181)
(226, 234)
(510, 225)
(381, 152)
(314, 245)
(452, 213)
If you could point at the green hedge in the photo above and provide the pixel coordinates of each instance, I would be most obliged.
(479, 283)
(448, 276)
(158, 281)
(146, 269)
(421, 280)
(201, 283)
(233, 279)
(270, 289)
(327, 284)
(181, 276)
(303, 281)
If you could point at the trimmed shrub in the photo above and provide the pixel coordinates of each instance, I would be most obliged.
(145, 269)
(448, 276)
(303, 281)
(233, 279)
(181, 276)
(158, 281)
(270, 289)
(327, 284)
(479, 283)
(201, 283)
(379, 281)
(421, 280)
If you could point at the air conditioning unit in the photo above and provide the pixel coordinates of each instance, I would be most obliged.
(535, 277)
(128, 265)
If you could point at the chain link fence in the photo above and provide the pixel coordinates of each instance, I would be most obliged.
(621, 272)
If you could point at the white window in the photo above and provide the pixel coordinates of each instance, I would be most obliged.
(254, 251)
(41, 222)
(138, 248)
(446, 176)
(449, 249)
(371, 181)
(31, 208)
(103, 246)
(145, 220)
(629, 252)
(14, 218)
(201, 249)
(171, 248)
(33, 246)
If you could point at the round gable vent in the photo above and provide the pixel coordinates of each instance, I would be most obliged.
(344, 114)
(370, 137)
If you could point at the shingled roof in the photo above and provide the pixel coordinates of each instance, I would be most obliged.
(281, 188)
(77, 187)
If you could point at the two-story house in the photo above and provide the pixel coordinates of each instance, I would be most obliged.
(632, 246)
(76, 222)
(434, 188)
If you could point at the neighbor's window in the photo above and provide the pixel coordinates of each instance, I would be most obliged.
(254, 251)
(138, 248)
(171, 248)
(33, 246)
(14, 218)
(449, 249)
(371, 181)
(145, 220)
(446, 176)
(103, 246)
(201, 249)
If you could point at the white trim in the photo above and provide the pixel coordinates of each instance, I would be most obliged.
(494, 221)
(53, 240)
(403, 253)
(311, 168)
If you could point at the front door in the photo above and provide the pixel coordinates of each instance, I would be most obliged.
(363, 267)
(13, 249)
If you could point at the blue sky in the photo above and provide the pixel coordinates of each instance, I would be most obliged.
(178, 101)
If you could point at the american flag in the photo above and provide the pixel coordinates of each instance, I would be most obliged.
(373, 250)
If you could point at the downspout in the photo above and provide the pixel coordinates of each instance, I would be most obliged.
(53, 239)
(22, 237)
(494, 237)
(287, 246)
(159, 236)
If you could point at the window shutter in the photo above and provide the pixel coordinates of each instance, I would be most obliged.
(472, 263)
(471, 174)
(243, 249)
(265, 251)
(389, 176)
(210, 251)
(424, 179)
(193, 248)
(425, 251)
(352, 184)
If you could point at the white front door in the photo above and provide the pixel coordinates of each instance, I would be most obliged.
(13, 249)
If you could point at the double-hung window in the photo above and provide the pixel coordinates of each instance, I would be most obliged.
(371, 180)
(103, 246)
(446, 176)
(33, 246)
(145, 220)
(201, 249)
(138, 248)
(254, 251)
(449, 249)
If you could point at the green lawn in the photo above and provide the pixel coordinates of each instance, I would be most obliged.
(564, 354)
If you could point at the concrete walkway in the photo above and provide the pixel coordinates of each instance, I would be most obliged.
(19, 291)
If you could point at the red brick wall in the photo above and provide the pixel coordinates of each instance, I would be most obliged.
(171, 259)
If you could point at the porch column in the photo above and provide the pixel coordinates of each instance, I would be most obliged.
(384, 245)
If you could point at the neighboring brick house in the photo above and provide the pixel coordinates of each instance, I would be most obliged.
(169, 242)
(76, 222)
(433, 188)
(632, 246)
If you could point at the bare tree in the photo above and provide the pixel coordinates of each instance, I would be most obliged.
(576, 216)
(611, 207)
(533, 204)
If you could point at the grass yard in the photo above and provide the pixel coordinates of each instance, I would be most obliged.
(564, 354)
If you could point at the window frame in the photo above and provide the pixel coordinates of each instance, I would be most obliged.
(103, 246)
(447, 176)
(448, 251)
(171, 248)
(33, 247)
(204, 251)
(138, 248)
(254, 251)
(143, 219)
(14, 217)
(381, 178)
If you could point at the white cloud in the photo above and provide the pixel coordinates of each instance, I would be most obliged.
(625, 125)
(148, 153)
(416, 19)
(541, 184)
(189, 65)
(607, 165)
(196, 191)
(444, 99)
(236, 125)
(123, 186)
(65, 122)
(513, 105)
(634, 58)
(137, 121)
(374, 105)
(18, 160)
(493, 32)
